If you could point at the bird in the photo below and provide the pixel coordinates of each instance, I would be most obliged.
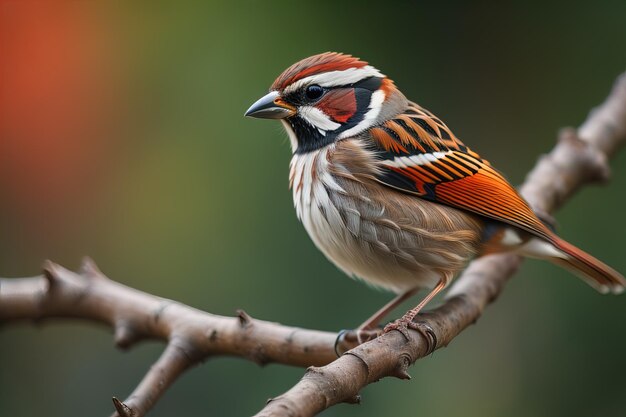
(391, 196)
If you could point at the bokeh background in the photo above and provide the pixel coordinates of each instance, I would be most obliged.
(122, 138)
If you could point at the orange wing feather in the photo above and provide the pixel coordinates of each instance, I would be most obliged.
(420, 155)
(448, 172)
(487, 193)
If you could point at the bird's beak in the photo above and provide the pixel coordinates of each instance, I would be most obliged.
(271, 106)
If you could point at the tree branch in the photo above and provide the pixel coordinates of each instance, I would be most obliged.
(192, 335)
(579, 157)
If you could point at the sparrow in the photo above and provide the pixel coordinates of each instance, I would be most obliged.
(391, 196)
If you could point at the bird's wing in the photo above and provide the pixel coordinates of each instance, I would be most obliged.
(420, 155)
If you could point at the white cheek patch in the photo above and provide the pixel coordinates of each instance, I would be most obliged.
(376, 102)
(335, 78)
(317, 118)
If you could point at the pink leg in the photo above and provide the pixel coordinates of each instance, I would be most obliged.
(368, 330)
(406, 322)
(373, 321)
(410, 315)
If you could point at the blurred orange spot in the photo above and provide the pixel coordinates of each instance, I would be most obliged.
(56, 101)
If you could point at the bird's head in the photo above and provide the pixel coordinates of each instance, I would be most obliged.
(328, 97)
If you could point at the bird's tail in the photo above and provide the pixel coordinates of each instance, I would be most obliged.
(594, 272)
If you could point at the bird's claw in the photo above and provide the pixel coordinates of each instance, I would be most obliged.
(348, 339)
(404, 324)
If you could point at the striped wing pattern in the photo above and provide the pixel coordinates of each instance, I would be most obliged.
(420, 155)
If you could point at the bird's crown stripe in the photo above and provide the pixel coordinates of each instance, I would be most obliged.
(335, 78)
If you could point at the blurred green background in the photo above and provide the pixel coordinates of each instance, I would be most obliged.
(122, 138)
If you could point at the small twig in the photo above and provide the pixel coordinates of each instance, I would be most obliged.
(177, 357)
(122, 409)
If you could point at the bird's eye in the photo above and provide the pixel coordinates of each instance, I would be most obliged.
(313, 92)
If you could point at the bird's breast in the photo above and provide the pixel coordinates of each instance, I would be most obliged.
(388, 239)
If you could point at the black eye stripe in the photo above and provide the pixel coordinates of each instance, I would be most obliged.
(311, 93)
(370, 83)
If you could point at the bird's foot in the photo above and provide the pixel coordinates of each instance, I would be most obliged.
(348, 339)
(405, 323)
